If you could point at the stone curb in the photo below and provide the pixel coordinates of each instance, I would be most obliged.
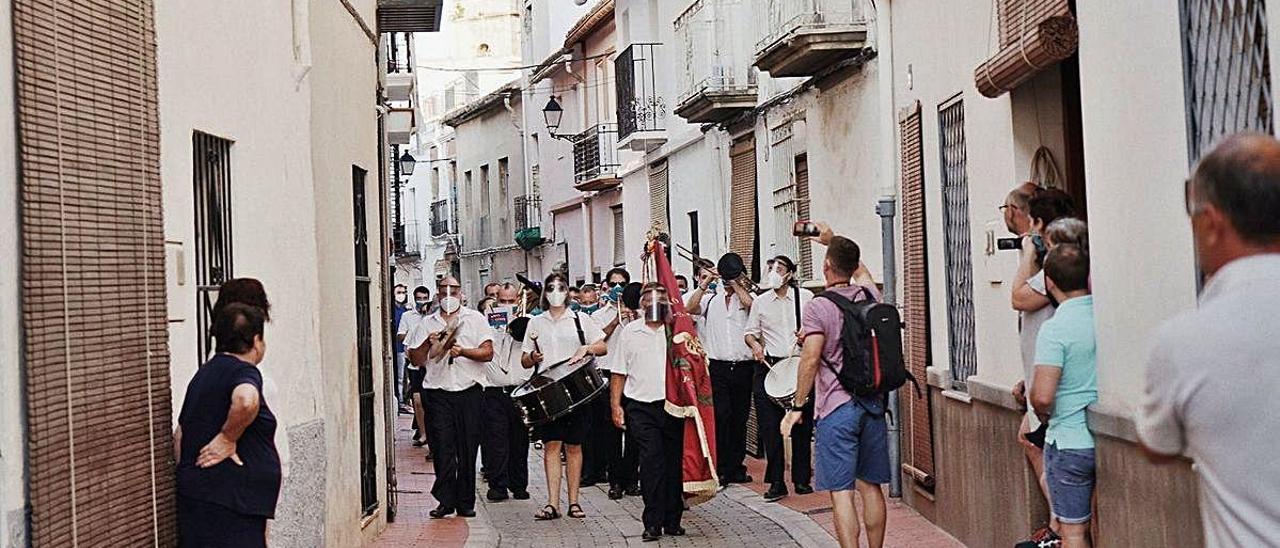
(806, 532)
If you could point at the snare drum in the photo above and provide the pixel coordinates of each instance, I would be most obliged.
(780, 383)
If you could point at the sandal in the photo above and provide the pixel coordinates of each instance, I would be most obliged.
(545, 515)
(575, 511)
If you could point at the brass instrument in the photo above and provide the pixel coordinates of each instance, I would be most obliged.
(699, 263)
(449, 336)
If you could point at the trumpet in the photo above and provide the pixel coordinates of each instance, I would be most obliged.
(699, 263)
(747, 283)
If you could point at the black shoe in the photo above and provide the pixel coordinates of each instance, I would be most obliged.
(441, 512)
(496, 495)
(520, 495)
(744, 478)
(467, 513)
(588, 482)
(676, 531)
(803, 489)
(419, 443)
(633, 491)
(615, 492)
(775, 492)
(651, 534)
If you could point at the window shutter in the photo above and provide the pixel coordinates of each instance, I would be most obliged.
(658, 187)
(100, 448)
(805, 260)
(619, 239)
(742, 201)
(919, 434)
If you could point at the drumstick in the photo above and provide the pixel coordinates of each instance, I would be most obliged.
(534, 337)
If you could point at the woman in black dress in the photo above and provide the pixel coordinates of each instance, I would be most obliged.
(228, 468)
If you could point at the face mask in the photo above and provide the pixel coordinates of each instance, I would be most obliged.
(575, 307)
(773, 280)
(657, 311)
(401, 297)
(450, 304)
(592, 309)
(614, 294)
(422, 306)
(556, 298)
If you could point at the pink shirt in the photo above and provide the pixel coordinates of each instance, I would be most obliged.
(823, 317)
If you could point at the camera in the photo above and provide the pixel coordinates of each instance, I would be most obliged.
(1008, 243)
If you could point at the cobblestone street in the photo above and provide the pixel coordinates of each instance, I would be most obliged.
(738, 516)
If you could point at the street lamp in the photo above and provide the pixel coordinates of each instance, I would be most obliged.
(553, 113)
(407, 163)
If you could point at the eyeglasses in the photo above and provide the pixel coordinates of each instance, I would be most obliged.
(1007, 206)
(1188, 203)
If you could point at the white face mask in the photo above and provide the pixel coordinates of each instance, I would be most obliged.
(450, 304)
(773, 280)
(557, 298)
(402, 297)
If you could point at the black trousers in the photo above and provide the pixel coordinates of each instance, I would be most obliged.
(731, 393)
(659, 438)
(207, 525)
(769, 418)
(504, 449)
(454, 435)
(604, 455)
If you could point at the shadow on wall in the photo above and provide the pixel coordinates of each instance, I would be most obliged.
(300, 513)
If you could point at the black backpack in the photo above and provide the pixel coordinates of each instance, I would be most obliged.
(871, 341)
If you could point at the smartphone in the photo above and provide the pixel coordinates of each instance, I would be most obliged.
(805, 228)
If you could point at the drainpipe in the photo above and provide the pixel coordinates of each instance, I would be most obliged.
(886, 209)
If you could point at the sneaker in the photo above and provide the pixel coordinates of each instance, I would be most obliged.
(1042, 538)
(776, 492)
(496, 495)
(803, 489)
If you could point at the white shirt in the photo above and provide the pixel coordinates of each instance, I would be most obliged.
(1212, 388)
(1028, 332)
(773, 318)
(446, 373)
(643, 359)
(558, 338)
(604, 317)
(408, 320)
(505, 369)
(724, 328)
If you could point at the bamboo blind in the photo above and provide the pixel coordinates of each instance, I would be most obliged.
(93, 291)
(1034, 34)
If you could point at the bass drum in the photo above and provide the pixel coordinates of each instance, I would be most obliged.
(558, 390)
(780, 383)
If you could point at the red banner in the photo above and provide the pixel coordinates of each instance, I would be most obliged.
(689, 390)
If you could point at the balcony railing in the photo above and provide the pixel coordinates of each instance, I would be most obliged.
(440, 218)
(406, 239)
(640, 107)
(399, 52)
(718, 80)
(800, 37)
(528, 211)
(595, 157)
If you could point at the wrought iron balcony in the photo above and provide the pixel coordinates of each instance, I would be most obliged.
(801, 37)
(641, 108)
(717, 84)
(595, 158)
(440, 218)
(528, 217)
(400, 77)
(406, 239)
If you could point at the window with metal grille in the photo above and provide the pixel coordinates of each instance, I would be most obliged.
(1226, 70)
(211, 173)
(364, 345)
(619, 239)
(959, 252)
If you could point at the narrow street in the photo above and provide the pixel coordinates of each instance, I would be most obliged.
(736, 517)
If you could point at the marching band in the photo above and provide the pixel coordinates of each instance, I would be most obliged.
(602, 384)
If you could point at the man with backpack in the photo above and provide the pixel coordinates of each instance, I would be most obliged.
(852, 452)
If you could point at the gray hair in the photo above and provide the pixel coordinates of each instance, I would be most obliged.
(1069, 230)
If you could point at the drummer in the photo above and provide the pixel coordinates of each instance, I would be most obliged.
(452, 346)
(552, 337)
(638, 393)
(771, 334)
(505, 447)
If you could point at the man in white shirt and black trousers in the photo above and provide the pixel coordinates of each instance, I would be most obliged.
(771, 333)
(723, 311)
(505, 446)
(638, 395)
(452, 346)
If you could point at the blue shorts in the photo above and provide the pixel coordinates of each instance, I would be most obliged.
(851, 444)
(1070, 476)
